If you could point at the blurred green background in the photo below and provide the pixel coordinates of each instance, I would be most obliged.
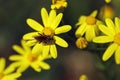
(71, 62)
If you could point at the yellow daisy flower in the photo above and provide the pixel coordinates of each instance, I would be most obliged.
(7, 73)
(45, 37)
(28, 58)
(112, 35)
(81, 43)
(83, 77)
(107, 1)
(88, 25)
(58, 4)
(107, 12)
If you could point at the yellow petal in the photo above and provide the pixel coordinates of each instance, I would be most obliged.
(18, 49)
(110, 25)
(53, 51)
(9, 69)
(34, 25)
(61, 42)
(52, 6)
(51, 18)
(30, 36)
(105, 30)
(25, 47)
(45, 50)
(36, 67)
(56, 21)
(31, 43)
(44, 15)
(44, 65)
(90, 33)
(109, 52)
(16, 57)
(94, 13)
(103, 39)
(117, 55)
(23, 67)
(12, 76)
(81, 20)
(81, 30)
(117, 24)
(62, 29)
(2, 64)
(14, 65)
(97, 30)
(37, 48)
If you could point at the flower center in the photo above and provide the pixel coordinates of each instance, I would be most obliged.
(32, 57)
(48, 31)
(1, 75)
(117, 38)
(46, 37)
(91, 20)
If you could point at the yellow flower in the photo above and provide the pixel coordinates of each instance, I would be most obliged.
(83, 77)
(112, 35)
(107, 1)
(81, 43)
(7, 74)
(88, 25)
(107, 12)
(28, 58)
(45, 37)
(58, 4)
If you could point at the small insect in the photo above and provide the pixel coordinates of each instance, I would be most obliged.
(47, 40)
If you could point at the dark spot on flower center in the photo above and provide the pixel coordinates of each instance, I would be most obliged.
(47, 40)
